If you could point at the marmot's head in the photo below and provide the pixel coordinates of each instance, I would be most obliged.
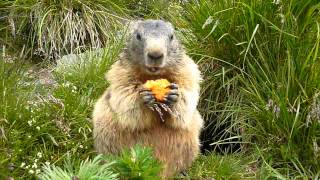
(153, 46)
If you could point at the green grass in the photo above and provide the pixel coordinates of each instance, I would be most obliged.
(42, 124)
(260, 63)
(224, 166)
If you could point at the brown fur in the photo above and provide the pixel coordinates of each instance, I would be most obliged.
(121, 120)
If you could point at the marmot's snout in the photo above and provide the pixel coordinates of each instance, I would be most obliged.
(155, 54)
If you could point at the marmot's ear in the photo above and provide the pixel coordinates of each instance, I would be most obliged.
(132, 26)
(169, 24)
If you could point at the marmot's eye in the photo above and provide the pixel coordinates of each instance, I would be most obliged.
(171, 37)
(139, 36)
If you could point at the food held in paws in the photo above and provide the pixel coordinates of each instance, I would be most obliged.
(159, 87)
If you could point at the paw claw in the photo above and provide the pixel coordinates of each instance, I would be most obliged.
(147, 97)
(173, 94)
(165, 98)
(173, 86)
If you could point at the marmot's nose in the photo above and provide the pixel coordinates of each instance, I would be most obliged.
(155, 55)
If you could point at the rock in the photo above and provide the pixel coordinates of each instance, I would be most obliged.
(72, 61)
(46, 78)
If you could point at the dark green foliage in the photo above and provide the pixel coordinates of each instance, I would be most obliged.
(137, 163)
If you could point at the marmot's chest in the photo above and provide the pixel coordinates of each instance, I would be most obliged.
(142, 77)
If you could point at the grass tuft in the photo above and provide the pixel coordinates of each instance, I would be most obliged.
(54, 28)
(226, 166)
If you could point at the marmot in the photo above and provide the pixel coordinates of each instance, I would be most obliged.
(122, 116)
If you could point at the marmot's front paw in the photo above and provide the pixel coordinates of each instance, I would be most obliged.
(147, 97)
(172, 96)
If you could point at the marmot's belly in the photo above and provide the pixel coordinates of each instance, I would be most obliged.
(177, 148)
(167, 139)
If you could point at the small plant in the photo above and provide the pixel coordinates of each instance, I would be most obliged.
(88, 170)
(137, 163)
